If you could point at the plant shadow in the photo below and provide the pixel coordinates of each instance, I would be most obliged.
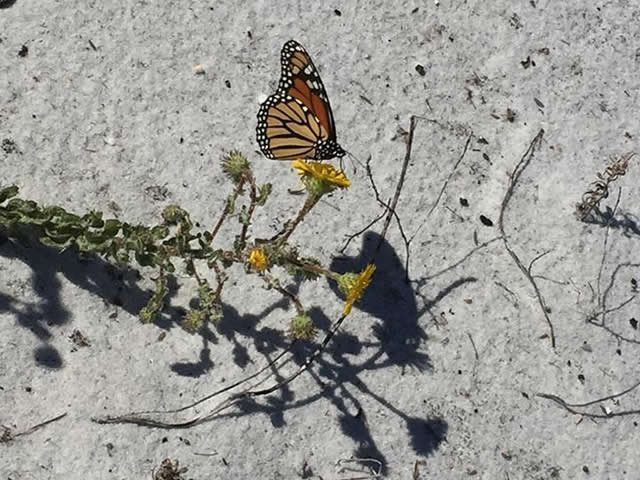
(397, 342)
(46, 312)
(233, 327)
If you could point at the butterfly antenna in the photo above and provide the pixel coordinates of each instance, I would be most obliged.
(356, 160)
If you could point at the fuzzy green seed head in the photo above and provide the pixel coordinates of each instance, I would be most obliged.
(301, 327)
(173, 214)
(235, 166)
(347, 281)
(193, 320)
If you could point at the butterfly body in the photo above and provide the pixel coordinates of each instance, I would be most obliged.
(297, 121)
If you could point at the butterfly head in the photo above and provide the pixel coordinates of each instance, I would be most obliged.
(328, 149)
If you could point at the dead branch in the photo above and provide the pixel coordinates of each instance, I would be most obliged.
(9, 435)
(572, 407)
(455, 167)
(513, 180)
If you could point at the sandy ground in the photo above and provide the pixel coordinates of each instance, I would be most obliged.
(100, 109)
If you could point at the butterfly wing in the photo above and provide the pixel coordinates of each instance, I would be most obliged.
(301, 80)
(297, 121)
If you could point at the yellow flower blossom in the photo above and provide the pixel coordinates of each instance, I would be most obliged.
(258, 259)
(354, 285)
(319, 176)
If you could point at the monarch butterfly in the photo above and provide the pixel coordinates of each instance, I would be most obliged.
(296, 121)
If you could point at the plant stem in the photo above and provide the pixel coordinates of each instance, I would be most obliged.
(289, 227)
(225, 212)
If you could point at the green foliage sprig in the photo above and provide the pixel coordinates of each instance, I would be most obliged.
(176, 241)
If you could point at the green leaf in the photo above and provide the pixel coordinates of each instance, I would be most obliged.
(156, 302)
(66, 218)
(64, 229)
(24, 207)
(263, 193)
(93, 219)
(193, 320)
(96, 242)
(122, 257)
(111, 227)
(173, 214)
(8, 192)
(243, 217)
(60, 242)
(145, 259)
(159, 232)
(230, 206)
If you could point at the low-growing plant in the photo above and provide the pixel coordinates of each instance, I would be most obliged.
(177, 243)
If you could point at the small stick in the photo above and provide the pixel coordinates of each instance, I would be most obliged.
(225, 212)
(390, 211)
(138, 419)
(7, 436)
(473, 345)
(403, 173)
(457, 263)
(513, 180)
(135, 416)
(536, 258)
(361, 231)
(571, 407)
(374, 473)
(253, 196)
(444, 186)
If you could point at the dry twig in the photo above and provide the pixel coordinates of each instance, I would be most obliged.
(7, 435)
(513, 180)
(147, 418)
(572, 407)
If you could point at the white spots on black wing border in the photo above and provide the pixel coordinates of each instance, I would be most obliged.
(261, 128)
(328, 149)
(288, 50)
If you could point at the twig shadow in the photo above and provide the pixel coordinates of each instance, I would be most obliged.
(624, 221)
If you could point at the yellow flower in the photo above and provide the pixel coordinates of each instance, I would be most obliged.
(258, 259)
(320, 177)
(353, 285)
